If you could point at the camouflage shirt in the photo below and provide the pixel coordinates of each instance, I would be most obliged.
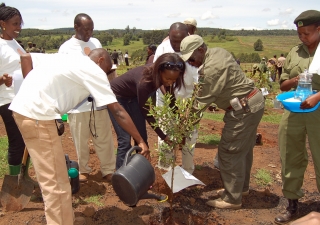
(221, 79)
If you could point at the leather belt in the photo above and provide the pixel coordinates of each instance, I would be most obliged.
(250, 95)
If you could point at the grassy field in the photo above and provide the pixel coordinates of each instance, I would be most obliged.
(241, 44)
(273, 45)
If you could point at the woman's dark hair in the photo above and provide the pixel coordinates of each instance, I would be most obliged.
(153, 72)
(7, 12)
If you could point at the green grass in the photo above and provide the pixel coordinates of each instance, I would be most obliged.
(213, 116)
(3, 156)
(198, 167)
(94, 199)
(271, 118)
(263, 177)
(211, 139)
(273, 45)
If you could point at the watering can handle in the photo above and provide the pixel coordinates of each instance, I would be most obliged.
(126, 159)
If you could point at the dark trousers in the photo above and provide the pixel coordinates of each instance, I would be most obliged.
(127, 61)
(279, 72)
(124, 139)
(15, 140)
(115, 61)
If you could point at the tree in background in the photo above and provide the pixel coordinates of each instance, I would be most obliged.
(258, 46)
(127, 29)
(126, 39)
(154, 37)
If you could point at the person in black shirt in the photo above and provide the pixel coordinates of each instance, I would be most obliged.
(133, 89)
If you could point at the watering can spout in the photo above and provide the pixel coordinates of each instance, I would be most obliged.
(160, 198)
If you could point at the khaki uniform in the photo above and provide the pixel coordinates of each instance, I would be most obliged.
(295, 126)
(221, 79)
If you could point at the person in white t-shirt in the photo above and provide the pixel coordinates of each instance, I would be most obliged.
(10, 49)
(49, 91)
(177, 32)
(79, 117)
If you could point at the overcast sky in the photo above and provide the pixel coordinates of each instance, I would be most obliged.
(160, 14)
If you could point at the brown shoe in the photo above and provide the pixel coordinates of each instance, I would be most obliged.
(244, 193)
(79, 221)
(108, 177)
(219, 203)
(83, 177)
(289, 214)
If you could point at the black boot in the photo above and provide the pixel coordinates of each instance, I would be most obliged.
(290, 213)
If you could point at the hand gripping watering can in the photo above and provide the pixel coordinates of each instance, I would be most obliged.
(133, 179)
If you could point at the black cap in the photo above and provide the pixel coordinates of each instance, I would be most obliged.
(307, 18)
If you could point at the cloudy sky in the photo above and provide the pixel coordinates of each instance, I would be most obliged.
(160, 14)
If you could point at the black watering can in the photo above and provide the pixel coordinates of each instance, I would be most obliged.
(133, 179)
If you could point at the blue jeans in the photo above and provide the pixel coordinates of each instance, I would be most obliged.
(124, 139)
(15, 140)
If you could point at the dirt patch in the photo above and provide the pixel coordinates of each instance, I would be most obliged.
(189, 206)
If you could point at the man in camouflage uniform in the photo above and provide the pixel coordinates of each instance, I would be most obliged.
(28, 49)
(223, 82)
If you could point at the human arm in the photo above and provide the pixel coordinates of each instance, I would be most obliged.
(310, 101)
(288, 84)
(6, 79)
(125, 121)
(26, 64)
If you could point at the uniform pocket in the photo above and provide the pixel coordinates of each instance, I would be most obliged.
(256, 102)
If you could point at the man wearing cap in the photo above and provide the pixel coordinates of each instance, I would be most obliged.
(294, 127)
(223, 83)
(83, 124)
(191, 24)
(28, 49)
(177, 32)
(280, 64)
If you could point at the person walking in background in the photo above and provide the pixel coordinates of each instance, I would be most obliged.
(133, 90)
(294, 127)
(120, 56)
(10, 50)
(126, 58)
(224, 83)
(272, 67)
(34, 111)
(115, 57)
(280, 64)
(80, 120)
(151, 49)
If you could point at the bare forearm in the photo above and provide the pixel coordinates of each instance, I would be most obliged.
(288, 84)
(26, 64)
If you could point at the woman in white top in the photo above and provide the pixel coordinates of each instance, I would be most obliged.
(10, 50)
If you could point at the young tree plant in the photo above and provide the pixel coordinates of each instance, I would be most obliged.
(177, 119)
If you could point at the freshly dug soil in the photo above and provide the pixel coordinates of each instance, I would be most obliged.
(189, 207)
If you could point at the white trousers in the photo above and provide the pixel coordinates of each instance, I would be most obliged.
(103, 144)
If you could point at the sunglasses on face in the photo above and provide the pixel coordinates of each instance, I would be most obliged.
(173, 66)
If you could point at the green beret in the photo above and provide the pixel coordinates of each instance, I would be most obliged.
(307, 18)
